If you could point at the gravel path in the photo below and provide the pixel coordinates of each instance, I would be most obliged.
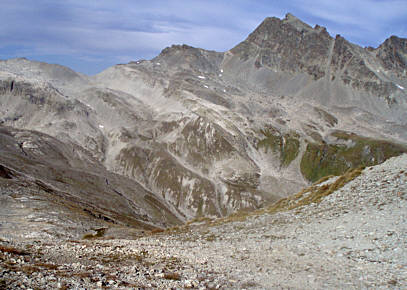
(355, 238)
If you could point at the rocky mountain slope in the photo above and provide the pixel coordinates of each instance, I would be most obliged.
(54, 189)
(195, 133)
(352, 238)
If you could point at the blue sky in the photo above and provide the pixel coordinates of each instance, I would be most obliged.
(91, 35)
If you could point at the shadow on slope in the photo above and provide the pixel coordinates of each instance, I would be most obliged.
(61, 186)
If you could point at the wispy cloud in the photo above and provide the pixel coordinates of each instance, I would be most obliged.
(82, 32)
(116, 28)
(367, 22)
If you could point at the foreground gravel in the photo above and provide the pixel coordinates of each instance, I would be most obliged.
(355, 238)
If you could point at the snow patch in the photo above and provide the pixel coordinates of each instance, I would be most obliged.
(400, 87)
(206, 86)
(29, 145)
(221, 70)
(158, 63)
(101, 126)
(201, 77)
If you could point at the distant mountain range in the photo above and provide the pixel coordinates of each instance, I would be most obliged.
(194, 133)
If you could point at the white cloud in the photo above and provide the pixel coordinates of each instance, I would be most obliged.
(125, 30)
(366, 21)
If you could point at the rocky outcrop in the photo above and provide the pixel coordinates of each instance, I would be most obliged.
(393, 55)
(287, 45)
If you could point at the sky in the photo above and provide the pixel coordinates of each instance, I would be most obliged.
(91, 35)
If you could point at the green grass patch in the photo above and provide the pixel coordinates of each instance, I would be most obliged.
(322, 159)
(313, 194)
(287, 145)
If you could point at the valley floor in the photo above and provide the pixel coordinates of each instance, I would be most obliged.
(355, 238)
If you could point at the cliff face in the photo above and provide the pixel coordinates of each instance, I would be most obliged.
(291, 46)
(393, 55)
(288, 45)
(196, 133)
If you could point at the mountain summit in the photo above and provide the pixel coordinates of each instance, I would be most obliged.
(289, 45)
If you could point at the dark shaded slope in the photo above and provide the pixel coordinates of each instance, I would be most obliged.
(66, 179)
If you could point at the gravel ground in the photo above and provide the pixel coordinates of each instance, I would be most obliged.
(355, 238)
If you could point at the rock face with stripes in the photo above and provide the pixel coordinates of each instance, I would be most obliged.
(202, 133)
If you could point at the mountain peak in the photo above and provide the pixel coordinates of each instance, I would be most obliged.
(271, 23)
(393, 54)
(287, 44)
(289, 16)
(296, 22)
